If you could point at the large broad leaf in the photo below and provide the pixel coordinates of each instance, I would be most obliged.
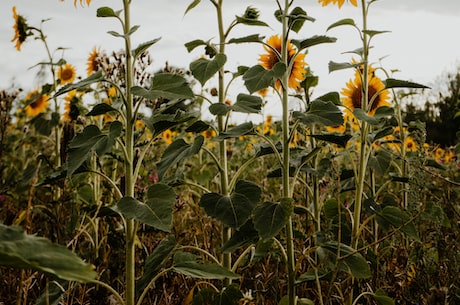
(312, 41)
(379, 117)
(89, 140)
(203, 69)
(155, 261)
(348, 259)
(20, 250)
(156, 211)
(396, 217)
(101, 108)
(257, 78)
(247, 103)
(380, 162)
(237, 131)
(144, 47)
(93, 78)
(322, 112)
(397, 83)
(243, 236)
(340, 140)
(270, 218)
(233, 210)
(187, 264)
(166, 85)
(176, 152)
(297, 18)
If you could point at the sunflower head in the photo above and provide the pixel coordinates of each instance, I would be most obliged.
(66, 74)
(338, 2)
(36, 102)
(88, 2)
(272, 57)
(353, 93)
(92, 64)
(20, 29)
(71, 110)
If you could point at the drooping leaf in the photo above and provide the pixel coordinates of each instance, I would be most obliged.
(23, 251)
(203, 69)
(349, 260)
(144, 47)
(310, 276)
(340, 140)
(247, 103)
(391, 216)
(219, 109)
(155, 261)
(346, 21)
(187, 264)
(335, 66)
(380, 162)
(270, 218)
(313, 41)
(192, 6)
(156, 211)
(93, 78)
(397, 83)
(233, 210)
(237, 131)
(332, 96)
(176, 152)
(198, 126)
(322, 112)
(89, 140)
(250, 21)
(246, 39)
(243, 236)
(297, 18)
(167, 85)
(257, 78)
(106, 11)
(192, 45)
(379, 117)
(101, 108)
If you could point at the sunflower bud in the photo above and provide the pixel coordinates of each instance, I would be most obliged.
(251, 13)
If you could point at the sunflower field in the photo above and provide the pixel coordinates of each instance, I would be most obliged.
(126, 186)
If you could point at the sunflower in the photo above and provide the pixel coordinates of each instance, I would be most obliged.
(353, 92)
(167, 136)
(36, 103)
(66, 74)
(88, 2)
(410, 144)
(339, 2)
(71, 111)
(92, 64)
(20, 29)
(269, 59)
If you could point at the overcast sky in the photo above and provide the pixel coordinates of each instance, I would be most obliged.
(422, 45)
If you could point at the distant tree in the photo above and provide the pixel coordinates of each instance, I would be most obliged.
(442, 118)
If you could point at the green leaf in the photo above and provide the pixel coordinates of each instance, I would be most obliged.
(373, 33)
(335, 66)
(186, 264)
(115, 34)
(257, 78)
(250, 38)
(192, 5)
(106, 11)
(219, 109)
(241, 237)
(380, 163)
(349, 260)
(396, 83)
(386, 131)
(379, 117)
(297, 18)
(176, 152)
(333, 97)
(247, 103)
(156, 212)
(237, 131)
(233, 210)
(23, 251)
(53, 294)
(230, 295)
(191, 45)
(89, 140)
(198, 126)
(101, 108)
(315, 40)
(310, 276)
(250, 21)
(203, 69)
(342, 22)
(167, 85)
(170, 114)
(144, 47)
(155, 261)
(270, 218)
(381, 298)
(93, 78)
(396, 217)
(322, 112)
(340, 140)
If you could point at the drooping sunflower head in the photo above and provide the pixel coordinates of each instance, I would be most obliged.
(20, 29)
(36, 102)
(272, 57)
(353, 93)
(66, 74)
(338, 2)
(88, 2)
(92, 64)
(71, 110)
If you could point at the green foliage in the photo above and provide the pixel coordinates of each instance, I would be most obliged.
(270, 218)
(188, 264)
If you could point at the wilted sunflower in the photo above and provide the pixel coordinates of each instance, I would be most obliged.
(36, 101)
(81, 2)
(66, 74)
(269, 60)
(71, 111)
(20, 29)
(353, 93)
(92, 64)
(339, 2)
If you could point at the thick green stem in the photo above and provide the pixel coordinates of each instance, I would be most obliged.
(226, 231)
(129, 160)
